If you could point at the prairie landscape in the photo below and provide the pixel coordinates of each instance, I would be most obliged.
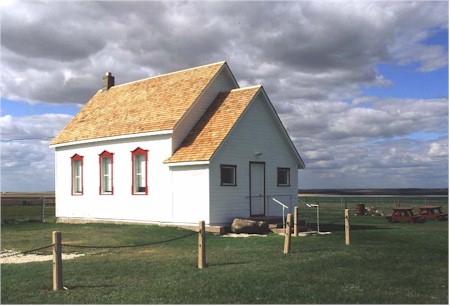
(386, 263)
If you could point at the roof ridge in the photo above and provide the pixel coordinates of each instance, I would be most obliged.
(247, 88)
(139, 108)
(215, 124)
(170, 73)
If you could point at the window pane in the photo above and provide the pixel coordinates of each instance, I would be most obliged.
(228, 175)
(283, 177)
(106, 174)
(76, 168)
(77, 176)
(77, 185)
(139, 173)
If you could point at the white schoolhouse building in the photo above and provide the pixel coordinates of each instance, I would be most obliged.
(175, 149)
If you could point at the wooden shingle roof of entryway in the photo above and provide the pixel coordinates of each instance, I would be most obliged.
(212, 128)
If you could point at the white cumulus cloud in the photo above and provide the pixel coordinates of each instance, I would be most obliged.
(314, 58)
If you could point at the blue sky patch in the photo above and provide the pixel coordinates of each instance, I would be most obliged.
(22, 109)
(409, 83)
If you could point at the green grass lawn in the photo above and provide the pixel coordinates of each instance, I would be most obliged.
(386, 263)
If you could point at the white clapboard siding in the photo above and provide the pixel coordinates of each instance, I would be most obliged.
(190, 198)
(255, 132)
(186, 193)
(122, 205)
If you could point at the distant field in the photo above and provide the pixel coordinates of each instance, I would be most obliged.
(27, 207)
(26, 194)
(379, 191)
(332, 206)
(19, 198)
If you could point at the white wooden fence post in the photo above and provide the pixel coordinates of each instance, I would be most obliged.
(347, 227)
(296, 221)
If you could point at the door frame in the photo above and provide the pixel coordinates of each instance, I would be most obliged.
(250, 186)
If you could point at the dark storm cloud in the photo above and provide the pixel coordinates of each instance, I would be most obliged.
(311, 50)
(41, 32)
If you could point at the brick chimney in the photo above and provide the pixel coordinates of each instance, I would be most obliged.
(108, 81)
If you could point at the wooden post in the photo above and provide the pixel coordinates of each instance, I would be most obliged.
(296, 221)
(201, 245)
(43, 210)
(347, 227)
(287, 237)
(57, 262)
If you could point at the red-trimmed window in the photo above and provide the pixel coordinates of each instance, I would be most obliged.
(106, 172)
(77, 174)
(139, 159)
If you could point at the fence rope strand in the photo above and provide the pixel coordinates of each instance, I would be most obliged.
(6, 255)
(24, 252)
(126, 246)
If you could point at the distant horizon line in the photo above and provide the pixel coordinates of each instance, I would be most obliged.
(375, 188)
(300, 189)
(377, 191)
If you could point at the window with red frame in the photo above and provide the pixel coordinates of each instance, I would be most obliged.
(139, 158)
(106, 173)
(77, 174)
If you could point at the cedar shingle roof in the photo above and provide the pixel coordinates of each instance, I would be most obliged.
(212, 128)
(149, 105)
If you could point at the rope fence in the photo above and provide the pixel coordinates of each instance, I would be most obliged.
(3, 255)
(126, 246)
(6, 254)
(57, 247)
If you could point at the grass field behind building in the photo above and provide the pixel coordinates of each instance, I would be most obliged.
(386, 263)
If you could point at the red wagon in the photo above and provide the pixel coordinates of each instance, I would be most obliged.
(405, 214)
(433, 213)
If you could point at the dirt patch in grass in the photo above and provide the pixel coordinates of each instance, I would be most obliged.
(147, 252)
(233, 235)
(26, 258)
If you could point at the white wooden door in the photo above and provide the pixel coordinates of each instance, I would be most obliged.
(257, 189)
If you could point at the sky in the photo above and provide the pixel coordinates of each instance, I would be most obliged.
(361, 86)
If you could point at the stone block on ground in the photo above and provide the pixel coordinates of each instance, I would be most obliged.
(249, 226)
